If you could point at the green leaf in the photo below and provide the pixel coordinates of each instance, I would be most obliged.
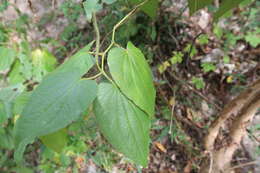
(162, 67)
(218, 31)
(59, 100)
(226, 6)
(207, 67)
(22, 169)
(55, 141)
(203, 39)
(20, 102)
(15, 76)
(150, 8)
(43, 62)
(26, 67)
(253, 38)
(7, 97)
(43, 59)
(7, 57)
(80, 61)
(177, 57)
(226, 59)
(132, 74)
(91, 6)
(198, 82)
(6, 138)
(195, 5)
(3, 5)
(191, 49)
(123, 124)
(3, 116)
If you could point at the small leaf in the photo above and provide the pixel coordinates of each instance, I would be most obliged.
(203, 39)
(132, 74)
(162, 67)
(193, 50)
(43, 62)
(7, 57)
(207, 67)
(195, 5)
(253, 39)
(199, 83)
(123, 124)
(55, 141)
(150, 8)
(226, 59)
(226, 6)
(218, 31)
(91, 6)
(15, 76)
(177, 57)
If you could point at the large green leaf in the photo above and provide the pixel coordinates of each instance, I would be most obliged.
(20, 102)
(132, 74)
(195, 5)
(123, 124)
(55, 141)
(59, 100)
(225, 6)
(80, 61)
(7, 57)
(150, 8)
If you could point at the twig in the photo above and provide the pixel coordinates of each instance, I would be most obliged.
(211, 162)
(116, 27)
(196, 91)
(244, 164)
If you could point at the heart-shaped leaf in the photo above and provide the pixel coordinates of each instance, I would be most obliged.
(123, 124)
(132, 74)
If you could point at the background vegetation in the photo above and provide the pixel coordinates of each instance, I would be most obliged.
(198, 65)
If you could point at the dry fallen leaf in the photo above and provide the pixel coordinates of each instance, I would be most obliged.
(160, 147)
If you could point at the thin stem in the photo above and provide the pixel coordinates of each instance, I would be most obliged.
(115, 28)
(103, 55)
(101, 69)
(94, 77)
(97, 39)
(94, 53)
